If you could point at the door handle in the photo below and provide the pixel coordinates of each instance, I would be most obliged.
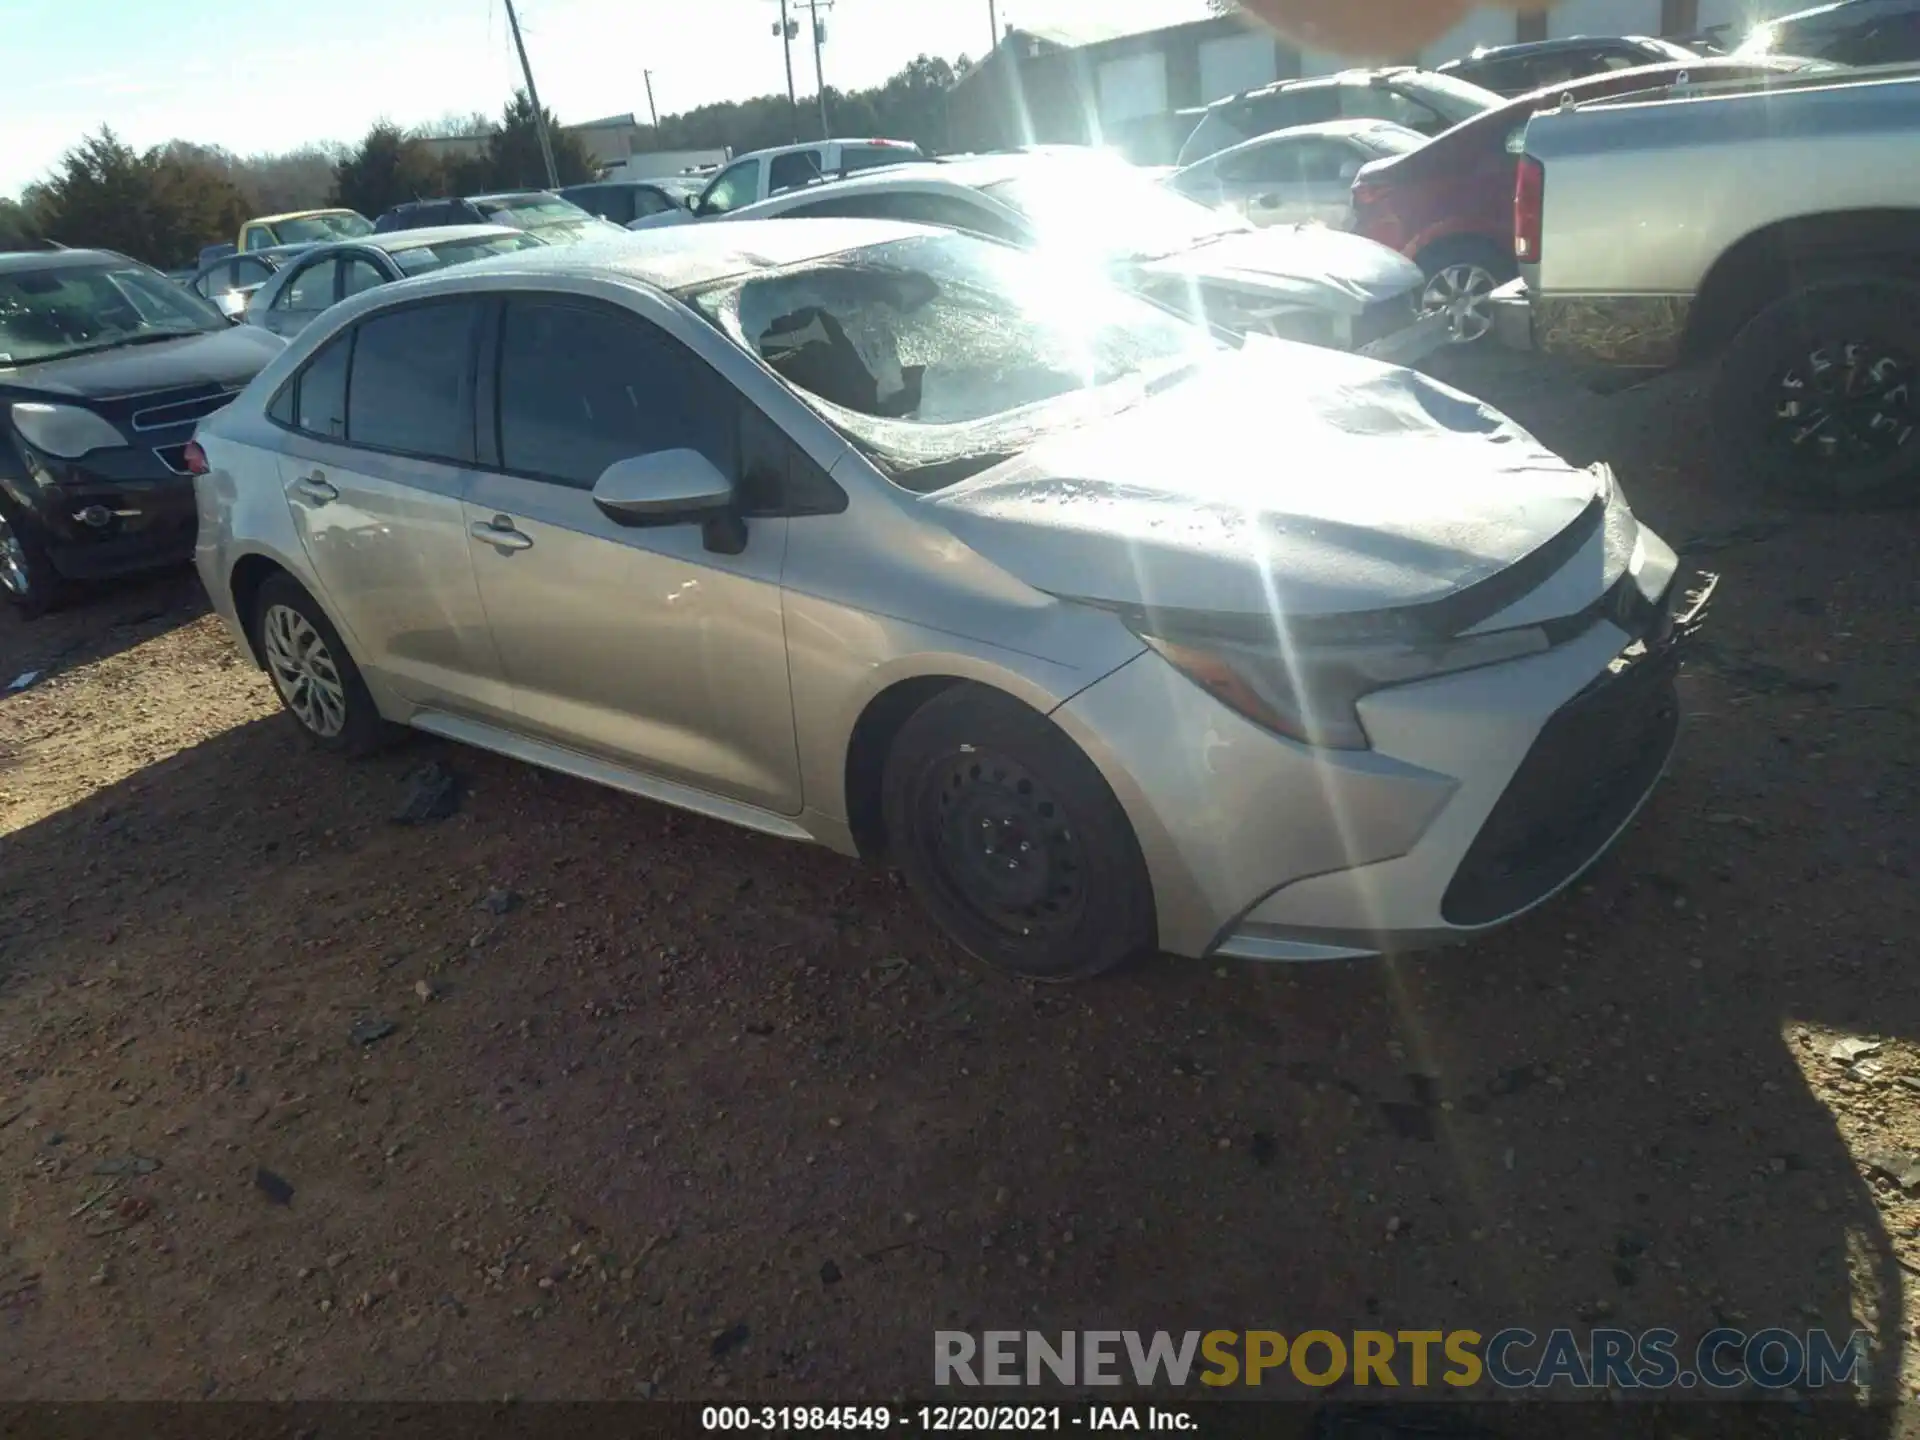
(499, 533)
(315, 488)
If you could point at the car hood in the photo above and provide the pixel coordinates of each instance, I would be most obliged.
(226, 358)
(1327, 268)
(1282, 479)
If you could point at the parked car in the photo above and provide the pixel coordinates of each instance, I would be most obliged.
(1089, 209)
(1537, 64)
(230, 283)
(624, 201)
(1294, 176)
(925, 548)
(290, 301)
(1800, 291)
(538, 212)
(1852, 32)
(1448, 206)
(302, 227)
(105, 366)
(210, 253)
(1418, 99)
(755, 176)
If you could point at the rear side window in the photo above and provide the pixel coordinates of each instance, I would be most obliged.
(581, 387)
(409, 389)
(1307, 105)
(868, 157)
(316, 401)
(788, 172)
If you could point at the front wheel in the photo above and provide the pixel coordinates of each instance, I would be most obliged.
(27, 577)
(1820, 393)
(1011, 837)
(315, 676)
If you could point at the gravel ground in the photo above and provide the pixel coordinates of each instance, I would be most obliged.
(570, 1095)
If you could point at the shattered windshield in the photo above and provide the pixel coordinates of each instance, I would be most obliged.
(932, 350)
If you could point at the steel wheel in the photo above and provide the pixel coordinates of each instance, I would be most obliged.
(14, 575)
(1461, 291)
(304, 671)
(1005, 847)
(1847, 406)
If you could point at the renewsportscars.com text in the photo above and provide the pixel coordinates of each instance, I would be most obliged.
(1511, 1359)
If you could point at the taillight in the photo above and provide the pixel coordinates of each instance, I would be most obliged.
(194, 458)
(1529, 194)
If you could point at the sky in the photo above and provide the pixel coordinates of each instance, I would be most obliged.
(253, 77)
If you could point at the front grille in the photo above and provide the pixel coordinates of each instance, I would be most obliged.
(1383, 318)
(181, 412)
(1590, 766)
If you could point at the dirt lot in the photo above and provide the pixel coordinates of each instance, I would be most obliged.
(703, 1113)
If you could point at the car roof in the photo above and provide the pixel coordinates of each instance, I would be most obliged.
(393, 240)
(496, 195)
(18, 260)
(301, 214)
(1351, 126)
(773, 150)
(682, 257)
(1554, 46)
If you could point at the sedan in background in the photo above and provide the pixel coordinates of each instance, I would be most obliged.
(1448, 206)
(624, 201)
(1089, 209)
(1113, 635)
(290, 300)
(230, 283)
(1850, 32)
(1522, 69)
(105, 366)
(538, 212)
(1295, 176)
(1418, 99)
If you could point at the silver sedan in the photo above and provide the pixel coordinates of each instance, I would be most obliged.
(933, 551)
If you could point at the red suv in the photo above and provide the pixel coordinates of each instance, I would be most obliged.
(1448, 206)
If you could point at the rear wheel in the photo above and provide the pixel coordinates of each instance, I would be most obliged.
(1461, 278)
(1012, 839)
(1820, 393)
(315, 676)
(27, 577)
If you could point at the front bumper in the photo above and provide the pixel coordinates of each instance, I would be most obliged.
(111, 513)
(1512, 313)
(1485, 793)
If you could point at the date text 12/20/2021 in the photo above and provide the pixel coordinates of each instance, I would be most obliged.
(945, 1419)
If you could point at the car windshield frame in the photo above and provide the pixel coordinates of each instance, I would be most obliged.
(460, 251)
(999, 298)
(332, 225)
(88, 332)
(1053, 195)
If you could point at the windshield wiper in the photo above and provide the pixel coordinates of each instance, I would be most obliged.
(149, 337)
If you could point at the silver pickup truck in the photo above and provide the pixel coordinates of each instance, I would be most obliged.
(1775, 231)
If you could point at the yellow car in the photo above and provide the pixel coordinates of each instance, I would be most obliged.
(302, 227)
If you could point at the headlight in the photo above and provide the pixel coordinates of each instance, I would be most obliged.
(1312, 693)
(63, 430)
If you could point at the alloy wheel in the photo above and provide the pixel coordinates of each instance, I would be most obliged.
(1846, 406)
(13, 561)
(1004, 846)
(1461, 291)
(304, 671)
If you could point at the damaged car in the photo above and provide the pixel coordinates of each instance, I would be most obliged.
(1298, 282)
(940, 553)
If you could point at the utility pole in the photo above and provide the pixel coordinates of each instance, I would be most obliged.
(539, 115)
(993, 24)
(787, 29)
(652, 113)
(819, 75)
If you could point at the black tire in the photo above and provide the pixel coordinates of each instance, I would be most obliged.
(27, 577)
(976, 781)
(312, 671)
(1844, 357)
(1479, 254)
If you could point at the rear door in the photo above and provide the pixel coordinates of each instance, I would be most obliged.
(378, 457)
(640, 645)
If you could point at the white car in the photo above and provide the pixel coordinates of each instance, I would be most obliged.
(1089, 208)
(756, 175)
(1295, 176)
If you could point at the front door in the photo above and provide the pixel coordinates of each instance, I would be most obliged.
(639, 645)
(374, 474)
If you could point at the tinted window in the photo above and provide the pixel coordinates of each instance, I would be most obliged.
(320, 395)
(409, 391)
(361, 275)
(310, 288)
(582, 387)
(1376, 102)
(867, 157)
(786, 172)
(649, 202)
(1307, 105)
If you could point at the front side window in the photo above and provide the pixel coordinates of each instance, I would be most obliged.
(733, 187)
(409, 388)
(329, 225)
(914, 345)
(310, 288)
(582, 387)
(46, 314)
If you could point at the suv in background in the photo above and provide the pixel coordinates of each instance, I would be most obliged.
(1418, 99)
(1522, 69)
(539, 212)
(1852, 32)
(763, 173)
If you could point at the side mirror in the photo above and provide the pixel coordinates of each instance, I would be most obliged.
(672, 487)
